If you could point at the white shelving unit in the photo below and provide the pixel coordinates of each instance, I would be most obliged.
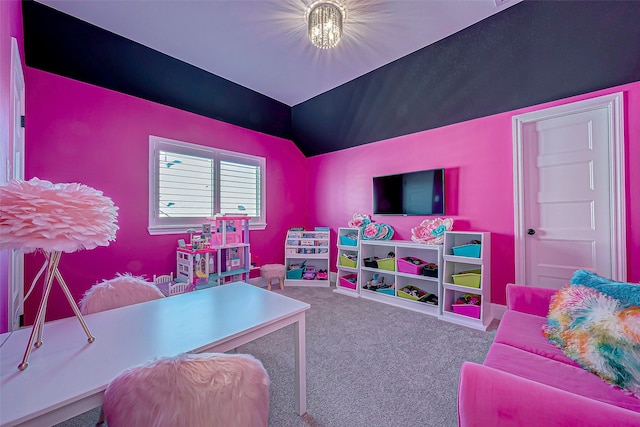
(312, 249)
(348, 247)
(398, 280)
(454, 264)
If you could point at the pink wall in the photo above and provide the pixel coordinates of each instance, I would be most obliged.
(79, 132)
(10, 26)
(477, 156)
(76, 132)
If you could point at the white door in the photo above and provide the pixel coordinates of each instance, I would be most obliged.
(16, 171)
(569, 186)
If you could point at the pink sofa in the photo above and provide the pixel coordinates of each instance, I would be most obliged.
(527, 381)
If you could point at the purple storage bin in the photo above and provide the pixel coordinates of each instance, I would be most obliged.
(470, 310)
(405, 266)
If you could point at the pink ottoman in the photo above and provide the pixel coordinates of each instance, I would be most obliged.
(271, 272)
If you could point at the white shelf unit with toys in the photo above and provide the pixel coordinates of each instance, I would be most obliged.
(400, 279)
(467, 273)
(306, 255)
(348, 261)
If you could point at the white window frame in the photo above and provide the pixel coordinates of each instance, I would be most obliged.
(159, 225)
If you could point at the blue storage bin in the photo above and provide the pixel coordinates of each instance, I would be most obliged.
(471, 250)
(388, 291)
(295, 274)
(348, 241)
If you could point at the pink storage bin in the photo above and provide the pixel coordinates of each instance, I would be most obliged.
(346, 283)
(470, 310)
(405, 266)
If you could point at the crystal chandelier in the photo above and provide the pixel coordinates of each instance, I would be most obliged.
(325, 19)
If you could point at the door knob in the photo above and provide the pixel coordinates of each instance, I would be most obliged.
(531, 232)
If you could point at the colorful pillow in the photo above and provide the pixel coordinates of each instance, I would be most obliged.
(627, 293)
(599, 333)
(563, 309)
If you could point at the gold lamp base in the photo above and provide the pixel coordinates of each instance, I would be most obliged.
(52, 260)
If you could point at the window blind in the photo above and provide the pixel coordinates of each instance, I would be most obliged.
(239, 188)
(186, 186)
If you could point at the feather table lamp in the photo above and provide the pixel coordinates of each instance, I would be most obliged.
(37, 215)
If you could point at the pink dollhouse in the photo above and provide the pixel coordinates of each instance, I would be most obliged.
(219, 254)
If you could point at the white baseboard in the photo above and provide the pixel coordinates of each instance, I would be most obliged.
(333, 277)
(497, 310)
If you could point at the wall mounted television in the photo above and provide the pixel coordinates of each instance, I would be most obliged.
(411, 193)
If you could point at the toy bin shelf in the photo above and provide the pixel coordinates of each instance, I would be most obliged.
(348, 261)
(467, 269)
(384, 259)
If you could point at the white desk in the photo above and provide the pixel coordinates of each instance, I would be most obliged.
(67, 376)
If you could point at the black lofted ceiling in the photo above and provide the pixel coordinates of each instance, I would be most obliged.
(532, 52)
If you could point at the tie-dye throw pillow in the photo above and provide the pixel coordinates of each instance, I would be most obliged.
(599, 333)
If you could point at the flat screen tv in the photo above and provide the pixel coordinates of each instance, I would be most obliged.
(411, 193)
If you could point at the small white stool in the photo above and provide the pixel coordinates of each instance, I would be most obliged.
(273, 271)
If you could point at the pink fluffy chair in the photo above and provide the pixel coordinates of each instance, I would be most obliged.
(195, 390)
(120, 291)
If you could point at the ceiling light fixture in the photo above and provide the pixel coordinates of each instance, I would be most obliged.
(325, 20)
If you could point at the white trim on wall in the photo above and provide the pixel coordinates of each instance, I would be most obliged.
(15, 170)
(498, 310)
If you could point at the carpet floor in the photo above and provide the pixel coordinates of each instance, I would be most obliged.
(368, 364)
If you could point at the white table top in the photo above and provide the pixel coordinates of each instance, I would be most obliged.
(67, 367)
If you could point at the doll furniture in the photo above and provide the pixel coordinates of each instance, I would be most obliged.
(206, 390)
(167, 286)
(232, 229)
(164, 278)
(526, 380)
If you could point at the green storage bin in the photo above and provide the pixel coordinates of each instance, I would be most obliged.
(405, 292)
(346, 262)
(388, 264)
(470, 278)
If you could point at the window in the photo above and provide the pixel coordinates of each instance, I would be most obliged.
(189, 183)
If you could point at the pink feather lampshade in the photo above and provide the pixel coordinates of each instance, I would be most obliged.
(37, 214)
(54, 218)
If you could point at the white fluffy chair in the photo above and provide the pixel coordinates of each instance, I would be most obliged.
(120, 291)
(195, 390)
